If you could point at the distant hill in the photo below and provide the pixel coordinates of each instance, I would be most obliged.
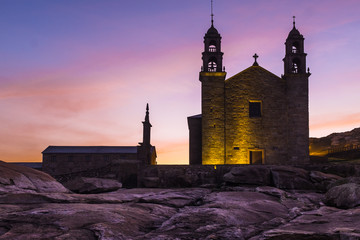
(321, 146)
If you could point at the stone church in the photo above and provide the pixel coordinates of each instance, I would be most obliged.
(253, 117)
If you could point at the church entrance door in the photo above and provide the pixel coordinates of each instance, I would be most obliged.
(256, 156)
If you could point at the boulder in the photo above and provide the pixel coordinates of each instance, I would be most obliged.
(224, 215)
(344, 181)
(271, 191)
(177, 198)
(323, 223)
(81, 221)
(323, 180)
(92, 185)
(344, 196)
(252, 175)
(342, 169)
(16, 178)
(287, 177)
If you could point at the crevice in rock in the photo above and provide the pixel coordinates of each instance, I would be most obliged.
(196, 203)
(12, 181)
(4, 230)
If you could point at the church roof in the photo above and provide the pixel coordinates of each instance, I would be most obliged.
(253, 73)
(90, 149)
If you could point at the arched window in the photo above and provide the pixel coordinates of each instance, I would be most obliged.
(212, 65)
(212, 46)
(295, 68)
(295, 47)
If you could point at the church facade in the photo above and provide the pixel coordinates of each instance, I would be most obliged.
(253, 117)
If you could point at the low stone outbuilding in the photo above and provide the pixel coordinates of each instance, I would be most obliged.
(60, 160)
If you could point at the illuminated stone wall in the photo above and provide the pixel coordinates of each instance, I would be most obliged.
(213, 132)
(229, 133)
(268, 132)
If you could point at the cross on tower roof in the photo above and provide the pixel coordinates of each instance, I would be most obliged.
(212, 14)
(255, 57)
(294, 21)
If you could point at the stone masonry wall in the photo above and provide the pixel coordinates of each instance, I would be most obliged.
(280, 176)
(213, 133)
(58, 164)
(181, 175)
(298, 117)
(266, 133)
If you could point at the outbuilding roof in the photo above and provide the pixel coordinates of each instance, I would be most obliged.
(90, 149)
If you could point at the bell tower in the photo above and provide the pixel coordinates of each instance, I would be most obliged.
(212, 78)
(144, 150)
(297, 93)
(212, 56)
(147, 128)
(295, 58)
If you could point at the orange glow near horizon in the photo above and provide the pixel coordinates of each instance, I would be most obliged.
(321, 127)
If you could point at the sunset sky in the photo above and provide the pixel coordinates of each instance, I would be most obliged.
(80, 72)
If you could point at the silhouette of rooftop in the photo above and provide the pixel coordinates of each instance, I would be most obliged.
(90, 149)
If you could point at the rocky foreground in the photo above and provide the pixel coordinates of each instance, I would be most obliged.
(34, 206)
